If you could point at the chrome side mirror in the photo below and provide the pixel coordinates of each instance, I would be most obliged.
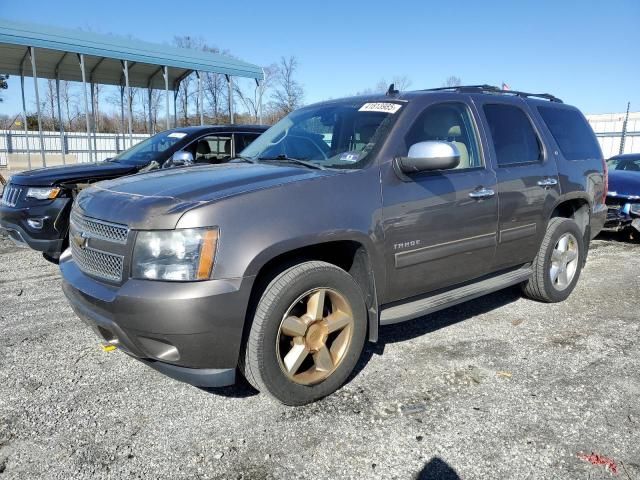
(179, 159)
(431, 155)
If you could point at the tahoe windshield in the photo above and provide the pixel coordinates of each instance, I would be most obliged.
(153, 148)
(335, 135)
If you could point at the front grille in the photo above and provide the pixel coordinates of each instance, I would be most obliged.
(100, 264)
(98, 247)
(99, 229)
(11, 195)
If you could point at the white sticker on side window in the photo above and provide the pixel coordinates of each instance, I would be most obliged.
(177, 135)
(385, 107)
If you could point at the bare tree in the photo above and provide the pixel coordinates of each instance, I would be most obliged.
(215, 88)
(452, 81)
(185, 92)
(252, 97)
(50, 102)
(289, 93)
(400, 82)
(69, 100)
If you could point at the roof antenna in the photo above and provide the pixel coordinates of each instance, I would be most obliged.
(392, 90)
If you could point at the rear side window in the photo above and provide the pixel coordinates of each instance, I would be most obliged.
(571, 132)
(514, 139)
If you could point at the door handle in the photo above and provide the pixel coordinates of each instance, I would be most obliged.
(482, 192)
(547, 182)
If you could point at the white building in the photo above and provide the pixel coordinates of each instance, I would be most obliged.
(608, 129)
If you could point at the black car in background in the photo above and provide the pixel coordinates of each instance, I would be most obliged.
(623, 198)
(35, 205)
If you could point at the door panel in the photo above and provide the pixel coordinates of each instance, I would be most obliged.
(436, 233)
(527, 181)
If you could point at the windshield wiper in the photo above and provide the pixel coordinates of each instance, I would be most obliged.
(284, 158)
(244, 159)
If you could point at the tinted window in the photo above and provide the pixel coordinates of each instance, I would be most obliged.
(243, 140)
(571, 132)
(211, 149)
(447, 122)
(514, 139)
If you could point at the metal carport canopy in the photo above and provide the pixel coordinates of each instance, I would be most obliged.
(103, 56)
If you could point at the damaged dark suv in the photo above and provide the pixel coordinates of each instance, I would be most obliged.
(343, 217)
(35, 206)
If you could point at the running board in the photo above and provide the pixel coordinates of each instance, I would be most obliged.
(424, 306)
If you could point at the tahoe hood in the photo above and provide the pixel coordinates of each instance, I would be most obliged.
(158, 199)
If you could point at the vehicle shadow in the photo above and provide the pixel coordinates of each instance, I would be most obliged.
(437, 469)
(435, 321)
(625, 236)
(241, 389)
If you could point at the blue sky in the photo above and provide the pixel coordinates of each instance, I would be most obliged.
(586, 52)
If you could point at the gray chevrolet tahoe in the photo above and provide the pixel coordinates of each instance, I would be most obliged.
(343, 217)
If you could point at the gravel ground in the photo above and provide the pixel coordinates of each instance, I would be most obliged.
(501, 387)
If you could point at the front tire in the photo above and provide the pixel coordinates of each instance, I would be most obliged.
(307, 334)
(557, 266)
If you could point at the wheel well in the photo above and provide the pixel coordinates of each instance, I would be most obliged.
(576, 209)
(348, 255)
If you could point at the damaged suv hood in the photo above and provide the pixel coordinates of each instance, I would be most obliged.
(624, 183)
(80, 172)
(158, 199)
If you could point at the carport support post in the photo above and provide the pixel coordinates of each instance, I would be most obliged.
(122, 115)
(200, 105)
(175, 107)
(32, 54)
(230, 95)
(125, 66)
(150, 93)
(165, 74)
(24, 114)
(259, 100)
(86, 104)
(60, 125)
(92, 90)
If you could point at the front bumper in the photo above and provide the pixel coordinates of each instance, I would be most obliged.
(190, 331)
(49, 238)
(620, 217)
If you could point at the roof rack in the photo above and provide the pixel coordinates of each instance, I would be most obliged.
(493, 89)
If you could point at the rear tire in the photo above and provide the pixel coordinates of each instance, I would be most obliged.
(307, 334)
(558, 264)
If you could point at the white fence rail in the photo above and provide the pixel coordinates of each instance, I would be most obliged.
(16, 145)
(608, 129)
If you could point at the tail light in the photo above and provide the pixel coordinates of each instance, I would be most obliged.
(606, 180)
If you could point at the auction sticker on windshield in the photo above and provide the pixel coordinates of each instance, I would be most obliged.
(385, 107)
(177, 135)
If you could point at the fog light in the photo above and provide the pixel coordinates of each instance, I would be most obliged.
(36, 223)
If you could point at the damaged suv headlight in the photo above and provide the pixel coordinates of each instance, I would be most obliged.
(175, 255)
(634, 208)
(43, 193)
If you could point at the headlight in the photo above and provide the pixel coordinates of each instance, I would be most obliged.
(47, 193)
(175, 255)
(634, 208)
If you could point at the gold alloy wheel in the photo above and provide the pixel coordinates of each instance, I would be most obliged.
(314, 336)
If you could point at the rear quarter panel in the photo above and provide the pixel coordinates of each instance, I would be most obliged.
(579, 179)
